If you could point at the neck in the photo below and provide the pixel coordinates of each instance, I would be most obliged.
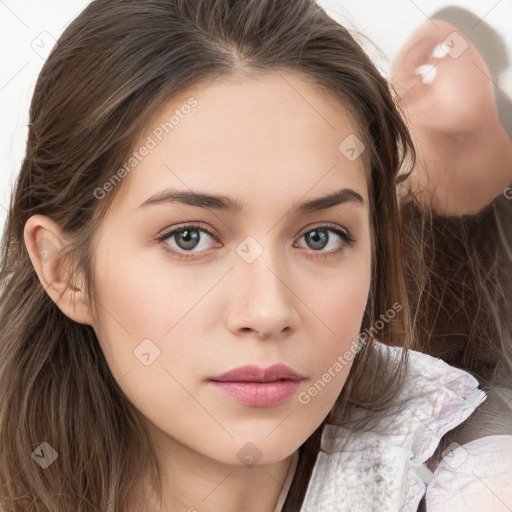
(194, 482)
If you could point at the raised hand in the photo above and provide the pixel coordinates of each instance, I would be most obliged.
(464, 154)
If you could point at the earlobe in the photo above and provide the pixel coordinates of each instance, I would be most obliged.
(45, 244)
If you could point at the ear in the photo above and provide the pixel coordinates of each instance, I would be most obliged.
(44, 241)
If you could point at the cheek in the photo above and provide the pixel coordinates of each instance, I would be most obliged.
(339, 308)
(136, 304)
(340, 297)
(147, 336)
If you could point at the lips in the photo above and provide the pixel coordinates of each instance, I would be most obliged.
(258, 387)
(253, 373)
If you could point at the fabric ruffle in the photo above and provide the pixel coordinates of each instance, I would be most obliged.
(382, 470)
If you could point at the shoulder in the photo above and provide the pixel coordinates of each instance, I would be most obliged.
(383, 468)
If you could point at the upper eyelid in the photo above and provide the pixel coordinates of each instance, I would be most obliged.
(196, 225)
(346, 237)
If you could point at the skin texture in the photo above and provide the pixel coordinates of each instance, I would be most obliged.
(269, 141)
(464, 154)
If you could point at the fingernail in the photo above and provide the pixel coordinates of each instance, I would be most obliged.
(438, 52)
(427, 72)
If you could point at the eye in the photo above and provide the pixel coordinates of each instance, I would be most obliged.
(186, 237)
(192, 236)
(318, 238)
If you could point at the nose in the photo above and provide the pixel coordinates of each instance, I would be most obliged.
(263, 302)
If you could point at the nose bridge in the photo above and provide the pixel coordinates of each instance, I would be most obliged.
(263, 294)
(261, 265)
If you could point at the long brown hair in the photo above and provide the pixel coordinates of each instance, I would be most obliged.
(111, 70)
(459, 273)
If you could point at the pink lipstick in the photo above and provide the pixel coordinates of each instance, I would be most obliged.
(259, 387)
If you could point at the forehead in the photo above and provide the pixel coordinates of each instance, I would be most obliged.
(252, 136)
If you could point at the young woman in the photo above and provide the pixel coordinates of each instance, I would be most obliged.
(201, 252)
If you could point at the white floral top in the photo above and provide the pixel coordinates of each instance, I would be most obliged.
(383, 470)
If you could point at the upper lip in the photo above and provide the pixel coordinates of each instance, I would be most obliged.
(253, 373)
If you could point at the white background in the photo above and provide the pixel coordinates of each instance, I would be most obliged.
(27, 28)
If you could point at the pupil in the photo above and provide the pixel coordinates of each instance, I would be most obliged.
(317, 236)
(190, 237)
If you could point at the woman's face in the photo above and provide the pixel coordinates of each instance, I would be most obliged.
(270, 283)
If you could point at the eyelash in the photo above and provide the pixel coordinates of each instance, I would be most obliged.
(348, 241)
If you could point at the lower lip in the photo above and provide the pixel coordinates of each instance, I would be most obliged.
(259, 394)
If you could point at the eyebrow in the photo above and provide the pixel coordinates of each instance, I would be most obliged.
(233, 206)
